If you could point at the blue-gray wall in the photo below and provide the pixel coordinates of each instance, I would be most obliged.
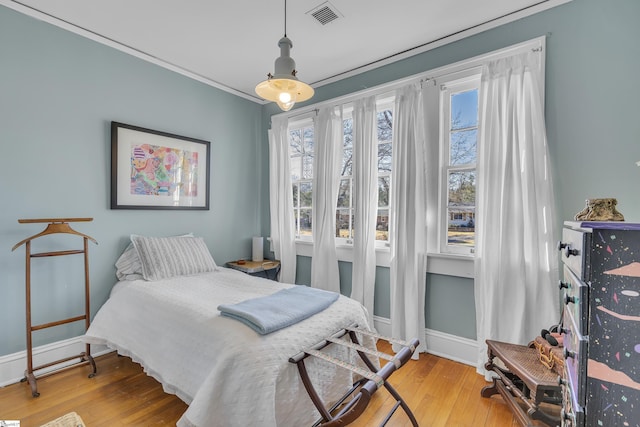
(58, 94)
(59, 91)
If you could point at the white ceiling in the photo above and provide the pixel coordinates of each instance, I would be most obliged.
(233, 44)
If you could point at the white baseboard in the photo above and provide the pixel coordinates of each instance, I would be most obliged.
(459, 349)
(13, 366)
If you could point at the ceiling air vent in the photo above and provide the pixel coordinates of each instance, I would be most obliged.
(325, 13)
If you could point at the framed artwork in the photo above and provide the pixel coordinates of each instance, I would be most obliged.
(157, 170)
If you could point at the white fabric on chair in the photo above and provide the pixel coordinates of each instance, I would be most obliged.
(515, 267)
(326, 179)
(365, 196)
(281, 200)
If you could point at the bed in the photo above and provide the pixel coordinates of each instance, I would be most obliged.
(163, 313)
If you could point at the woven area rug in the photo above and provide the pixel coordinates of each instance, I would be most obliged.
(68, 420)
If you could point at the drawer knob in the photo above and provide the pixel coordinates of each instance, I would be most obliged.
(563, 285)
(569, 251)
(568, 353)
(562, 245)
(569, 299)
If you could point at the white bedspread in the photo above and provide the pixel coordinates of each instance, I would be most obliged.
(227, 373)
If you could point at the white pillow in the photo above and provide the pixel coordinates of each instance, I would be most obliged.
(164, 257)
(128, 266)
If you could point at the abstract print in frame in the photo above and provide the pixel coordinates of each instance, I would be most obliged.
(157, 170)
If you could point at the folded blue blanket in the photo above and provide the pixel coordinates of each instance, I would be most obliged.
(281, 309)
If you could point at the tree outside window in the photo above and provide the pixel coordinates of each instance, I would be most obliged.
(301, 163)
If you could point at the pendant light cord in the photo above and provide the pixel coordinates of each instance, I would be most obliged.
(285, 18)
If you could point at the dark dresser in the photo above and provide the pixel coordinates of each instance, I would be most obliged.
(601, 323)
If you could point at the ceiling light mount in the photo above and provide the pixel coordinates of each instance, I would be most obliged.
(283, 87)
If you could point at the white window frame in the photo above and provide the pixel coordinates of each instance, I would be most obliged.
(451, 84)
(294, 125)
(346, 114)
(383, 103)
(386, 103)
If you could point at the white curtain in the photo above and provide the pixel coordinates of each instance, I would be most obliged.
(408, 218)
(516, 267)
(365, 197)
(431, 106)
(281, 200)
(326, 179)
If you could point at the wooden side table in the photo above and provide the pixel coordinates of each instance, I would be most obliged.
(523, 377)
(268, 268)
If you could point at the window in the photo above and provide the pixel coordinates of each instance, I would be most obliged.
(459, 140)
(345, 226)
(458, 148)
(345, 209)
(385, 151)
(301, 162)
(452, 119)
(301, 152)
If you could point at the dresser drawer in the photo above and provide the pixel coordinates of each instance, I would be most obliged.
(575, 353)
(576, 298)
(574, 248)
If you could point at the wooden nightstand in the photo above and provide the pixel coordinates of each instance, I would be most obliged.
(268, 268)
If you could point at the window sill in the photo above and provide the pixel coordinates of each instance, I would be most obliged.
(344, 252)
(445, 264)
(451, 265)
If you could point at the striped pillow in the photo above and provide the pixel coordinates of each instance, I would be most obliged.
(164, 257)
(128, 265)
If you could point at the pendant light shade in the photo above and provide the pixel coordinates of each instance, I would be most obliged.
(283, 87)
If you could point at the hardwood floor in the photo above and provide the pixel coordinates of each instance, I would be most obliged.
(440, 392)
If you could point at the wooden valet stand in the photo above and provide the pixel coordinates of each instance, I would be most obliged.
(56, 225)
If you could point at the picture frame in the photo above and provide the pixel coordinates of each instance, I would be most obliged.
(158, 170)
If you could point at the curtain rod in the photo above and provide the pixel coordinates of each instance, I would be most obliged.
(535, 45)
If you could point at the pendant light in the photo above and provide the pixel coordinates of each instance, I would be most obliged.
(283, 87)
